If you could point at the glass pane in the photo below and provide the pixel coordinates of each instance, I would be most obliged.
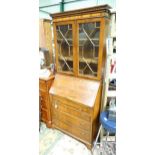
(89, 48)
(65, 48)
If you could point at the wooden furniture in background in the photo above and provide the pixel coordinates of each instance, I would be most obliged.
(79, 37)
(44, 86)
(45, 58)
(75, 107)
(45, 35)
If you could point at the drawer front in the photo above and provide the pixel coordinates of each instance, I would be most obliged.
(70, 109)
(74, 105)
(79, 134)
(43, 100)
(44, 115)
(71, 120)
(42, 85)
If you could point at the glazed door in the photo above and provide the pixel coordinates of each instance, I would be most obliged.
(65, 50)
(89, 47)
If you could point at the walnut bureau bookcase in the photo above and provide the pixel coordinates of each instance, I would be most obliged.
(75, 95)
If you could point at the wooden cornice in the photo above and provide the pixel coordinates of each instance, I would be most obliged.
(100, 8)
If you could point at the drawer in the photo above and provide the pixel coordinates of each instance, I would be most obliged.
(43, 100)
(71, 120)
(77, 106)
(44, 115)
(42, 85)
(69, 108)
(73, 131)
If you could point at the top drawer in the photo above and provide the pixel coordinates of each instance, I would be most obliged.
(74, 105)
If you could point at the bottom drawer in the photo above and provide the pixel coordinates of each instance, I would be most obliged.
(79, 134)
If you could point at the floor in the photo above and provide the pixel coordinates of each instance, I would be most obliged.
(54, 142)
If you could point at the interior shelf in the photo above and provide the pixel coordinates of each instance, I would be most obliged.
(66, 71)
(91, 74)
(67, 58)
(89, 60)
(84, 39)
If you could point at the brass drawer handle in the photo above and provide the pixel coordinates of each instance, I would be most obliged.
(83, 133)
(55, 105)
(82, 124)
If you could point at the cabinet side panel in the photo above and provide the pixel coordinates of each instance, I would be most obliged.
(101, 52)
(106, 34)
(96, 113)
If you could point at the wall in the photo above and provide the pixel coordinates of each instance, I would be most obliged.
(52, 6)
